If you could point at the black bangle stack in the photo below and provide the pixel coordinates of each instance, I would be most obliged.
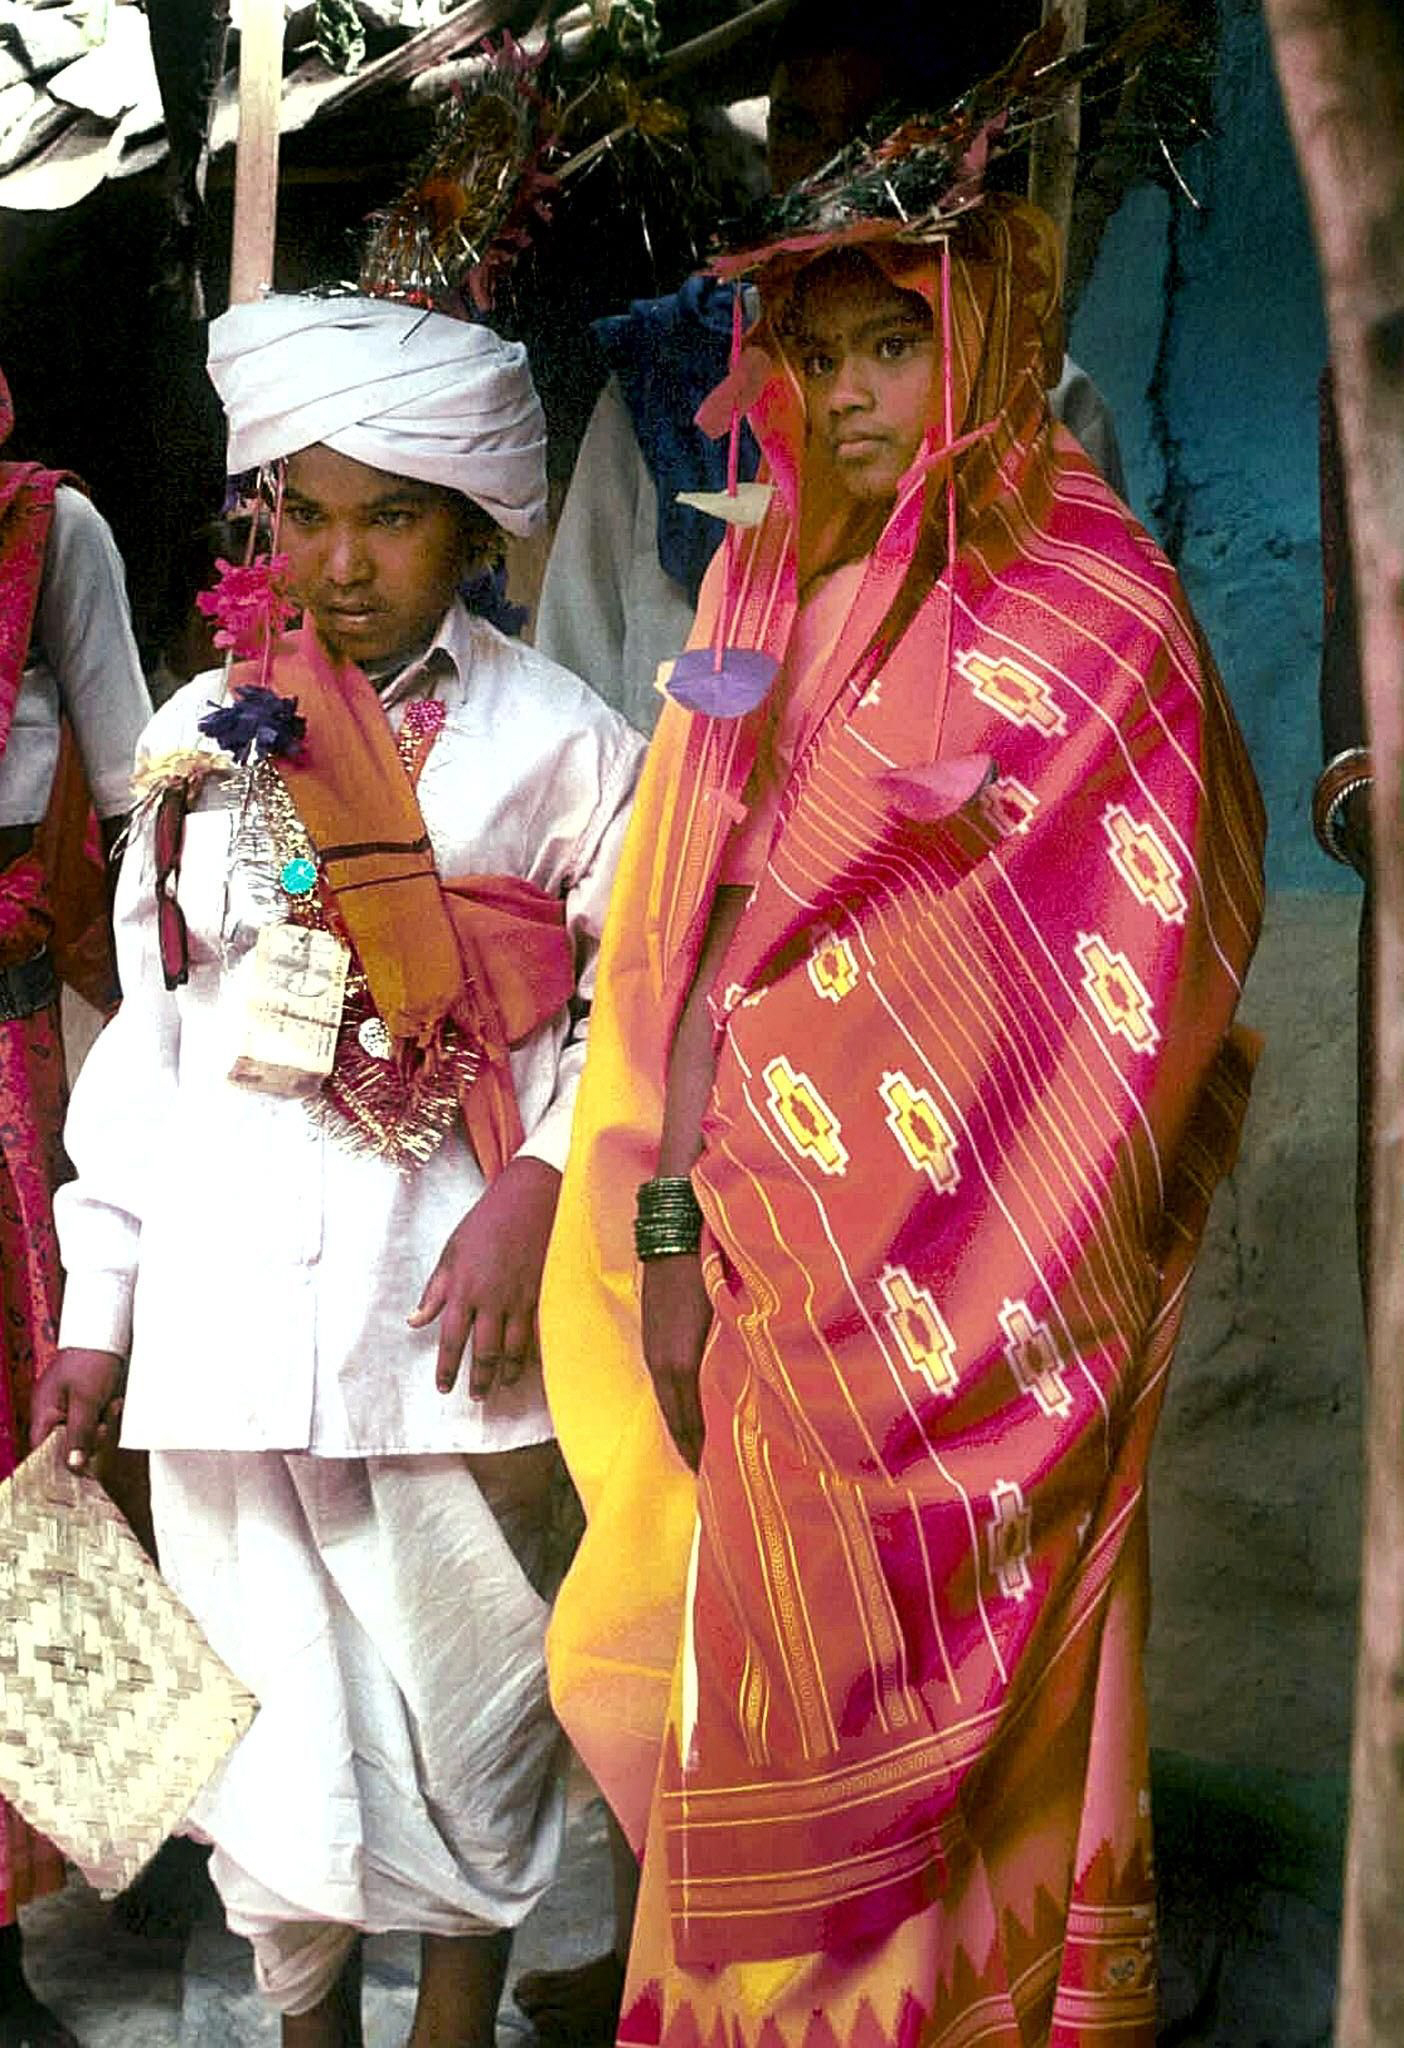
(667, 1219)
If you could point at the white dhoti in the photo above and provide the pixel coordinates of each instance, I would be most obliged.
(403, 1771)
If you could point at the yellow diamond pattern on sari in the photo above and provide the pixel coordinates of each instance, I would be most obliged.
(922, 1132)
(1033, 1360)
(1118, 992)
(804, 1116)
(833, 970)
(1008, 1535)
(919, 1329)
(1139, 856)
(1007, 807)
(1014, 691)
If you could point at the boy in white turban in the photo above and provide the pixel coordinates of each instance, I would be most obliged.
(321, 1285)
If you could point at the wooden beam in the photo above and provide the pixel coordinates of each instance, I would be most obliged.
(256, 163)
(466, 25)
(719, 41)
(1054, 148)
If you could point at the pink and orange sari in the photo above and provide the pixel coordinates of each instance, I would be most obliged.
(868, 1691)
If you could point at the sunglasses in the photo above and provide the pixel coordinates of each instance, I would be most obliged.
(172, 934)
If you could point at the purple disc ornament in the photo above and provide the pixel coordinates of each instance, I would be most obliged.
(726, 691)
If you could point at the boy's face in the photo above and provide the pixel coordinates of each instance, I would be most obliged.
(377, 557)
(866, 353)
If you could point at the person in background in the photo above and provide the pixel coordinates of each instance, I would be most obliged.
(72, 705)
(310, 1257)
(627, 560)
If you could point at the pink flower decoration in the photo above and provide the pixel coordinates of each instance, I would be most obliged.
(249, 605)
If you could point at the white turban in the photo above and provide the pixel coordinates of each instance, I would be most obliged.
(413, 393)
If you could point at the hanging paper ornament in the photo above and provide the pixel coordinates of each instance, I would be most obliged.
(722, 681)
(743, 506)
(932, 790)
(725, 688)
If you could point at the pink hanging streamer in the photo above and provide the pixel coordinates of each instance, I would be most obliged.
(733, 473)
(948, 436)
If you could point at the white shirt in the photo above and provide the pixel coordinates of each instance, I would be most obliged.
(83, 662)
(258, 1270)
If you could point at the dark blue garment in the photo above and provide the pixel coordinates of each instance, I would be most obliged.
(666, 355)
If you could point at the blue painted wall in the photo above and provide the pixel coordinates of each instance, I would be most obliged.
(1205, 332)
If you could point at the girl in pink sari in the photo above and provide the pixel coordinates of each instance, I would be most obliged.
(922, 974)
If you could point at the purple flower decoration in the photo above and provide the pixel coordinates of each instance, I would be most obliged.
(485, 594)
(258, 723)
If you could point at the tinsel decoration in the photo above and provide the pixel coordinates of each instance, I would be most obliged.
(917, 174)
(608, 110)
(184, 768)
(339, 35)
(370, 1103)
(1168, 103)
(471, 203)
(508, 141)
(627, 33)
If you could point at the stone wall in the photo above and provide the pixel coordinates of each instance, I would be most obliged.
(1255, 1481)
(1204, 329)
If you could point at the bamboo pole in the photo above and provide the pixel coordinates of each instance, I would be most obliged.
(1056, 141)
(256, 161)
(1341, 64)
(720, 41)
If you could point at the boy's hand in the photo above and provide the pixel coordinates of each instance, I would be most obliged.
(82, 1393)
(486, 1283)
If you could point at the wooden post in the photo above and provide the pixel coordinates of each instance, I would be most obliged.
(1054, 148)
(1341, 63)
(256, 161)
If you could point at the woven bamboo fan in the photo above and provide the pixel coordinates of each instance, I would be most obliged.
(114, 1710)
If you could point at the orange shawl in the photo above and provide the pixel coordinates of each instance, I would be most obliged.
(487, 953)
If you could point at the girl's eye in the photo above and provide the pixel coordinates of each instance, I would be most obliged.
(892, 347)
(395, 518)
(818, 366)
(302, 515)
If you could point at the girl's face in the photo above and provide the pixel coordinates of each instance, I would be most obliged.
(866, 353)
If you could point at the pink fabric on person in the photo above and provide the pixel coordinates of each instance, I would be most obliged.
(32, 1096)
(31, 1107)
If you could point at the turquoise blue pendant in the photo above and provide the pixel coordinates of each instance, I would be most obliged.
(298, 878)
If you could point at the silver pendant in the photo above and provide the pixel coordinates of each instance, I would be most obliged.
(373, 1035)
